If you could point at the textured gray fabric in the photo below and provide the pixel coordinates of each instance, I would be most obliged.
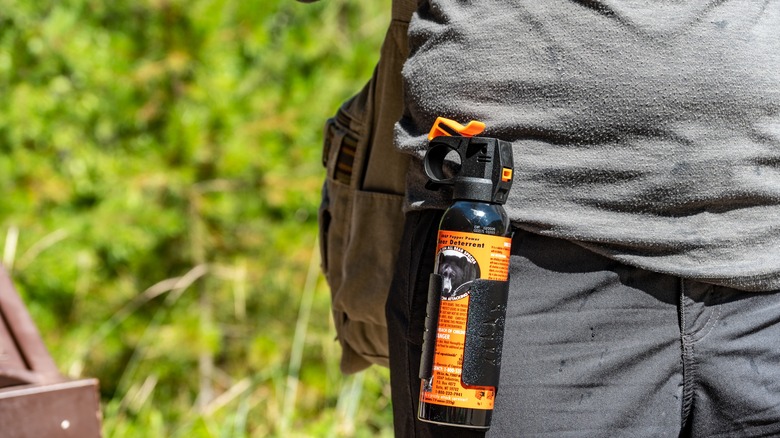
(646, 131)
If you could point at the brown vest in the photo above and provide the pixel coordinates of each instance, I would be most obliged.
(361, 216)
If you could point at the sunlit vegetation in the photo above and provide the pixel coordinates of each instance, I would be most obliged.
(160, 171)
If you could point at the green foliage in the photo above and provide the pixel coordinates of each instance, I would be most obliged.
(160, 175)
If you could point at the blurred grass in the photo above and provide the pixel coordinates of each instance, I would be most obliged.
(160, 175)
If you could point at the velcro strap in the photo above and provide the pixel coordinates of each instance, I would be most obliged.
(485, 332)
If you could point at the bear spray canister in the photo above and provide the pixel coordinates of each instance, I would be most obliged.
(468, 290)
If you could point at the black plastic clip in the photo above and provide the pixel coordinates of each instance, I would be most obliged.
(431, 322)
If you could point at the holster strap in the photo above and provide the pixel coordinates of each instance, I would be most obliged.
(484, 331)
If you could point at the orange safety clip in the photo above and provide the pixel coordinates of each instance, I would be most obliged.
(506, 174)
(449, 127)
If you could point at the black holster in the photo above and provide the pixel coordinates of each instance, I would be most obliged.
(484, 331)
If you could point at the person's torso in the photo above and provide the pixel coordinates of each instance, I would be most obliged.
(645, 130)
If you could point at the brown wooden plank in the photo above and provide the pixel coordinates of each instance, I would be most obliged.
(9, 353)
(60, 410)
(21, 341)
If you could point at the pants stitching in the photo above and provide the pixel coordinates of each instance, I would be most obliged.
(709, 325)
(716, 313)
(689, 366)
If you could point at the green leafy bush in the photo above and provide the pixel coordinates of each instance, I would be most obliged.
(160, 172)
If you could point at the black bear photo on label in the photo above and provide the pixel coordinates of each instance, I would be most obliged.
(457, 271)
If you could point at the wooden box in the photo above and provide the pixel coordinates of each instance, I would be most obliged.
(35, 399)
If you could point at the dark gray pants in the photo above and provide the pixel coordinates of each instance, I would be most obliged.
(595, 348)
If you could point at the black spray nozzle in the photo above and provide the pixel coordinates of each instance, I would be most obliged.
(486, 167)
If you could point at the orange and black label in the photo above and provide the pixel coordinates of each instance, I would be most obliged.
(461, 258)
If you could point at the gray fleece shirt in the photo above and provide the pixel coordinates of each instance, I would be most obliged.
(647, 131)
